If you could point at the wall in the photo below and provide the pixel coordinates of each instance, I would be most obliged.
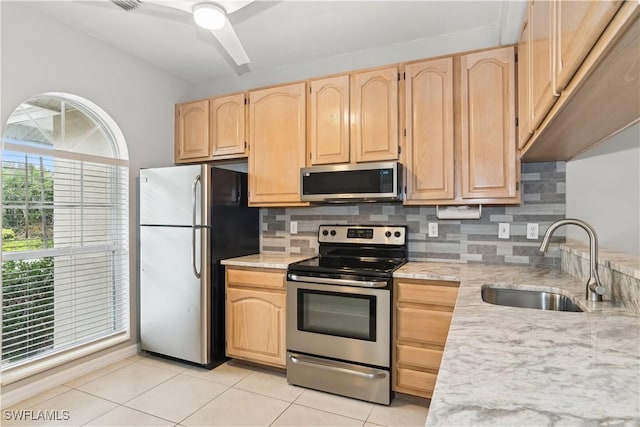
(543, 197)
(603, 188)
(40, 55)
(474, 38)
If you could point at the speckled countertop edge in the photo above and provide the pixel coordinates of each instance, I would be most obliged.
(265, 260)
(617, 261)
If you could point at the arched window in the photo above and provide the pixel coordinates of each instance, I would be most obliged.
(65, 254)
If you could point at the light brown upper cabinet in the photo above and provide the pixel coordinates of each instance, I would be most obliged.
(460, 130)
(228, 128)
(192, 131)
(277, 145)
(578, 26)
(560, 35)
(211, 129)
(374, 115)
(329, 121)
(429, 124)
(487, 125)
(577, 73)
(542, 14)
(524, 87)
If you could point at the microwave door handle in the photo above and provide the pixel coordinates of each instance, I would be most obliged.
(340, 282)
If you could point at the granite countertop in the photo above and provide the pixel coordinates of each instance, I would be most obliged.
(265, 260)
(515, 366)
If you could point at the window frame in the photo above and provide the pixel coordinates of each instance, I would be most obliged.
(32, 365)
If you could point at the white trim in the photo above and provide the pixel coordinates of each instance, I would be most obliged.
(59, 378)
(25, 370)
(111, 126)
(63, 154)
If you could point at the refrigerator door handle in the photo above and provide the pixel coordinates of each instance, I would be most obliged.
(194, 188)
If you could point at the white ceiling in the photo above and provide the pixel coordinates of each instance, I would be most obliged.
(277, 34)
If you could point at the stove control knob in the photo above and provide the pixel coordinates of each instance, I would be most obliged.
(388, 234)
(397, 234)
(333, 232)
(325, 232)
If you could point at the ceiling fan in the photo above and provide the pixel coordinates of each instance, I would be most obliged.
(211, 15)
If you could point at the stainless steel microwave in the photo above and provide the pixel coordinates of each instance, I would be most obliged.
(368, 182)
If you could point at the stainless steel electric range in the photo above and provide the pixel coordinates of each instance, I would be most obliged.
(339, 311)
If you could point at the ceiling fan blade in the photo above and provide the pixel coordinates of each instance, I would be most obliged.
(230, 42)
(231, 6)
(183, 5)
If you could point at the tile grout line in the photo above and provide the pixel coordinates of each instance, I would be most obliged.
(333, 413)
(98, 377)
(201, 407)
(280, 414)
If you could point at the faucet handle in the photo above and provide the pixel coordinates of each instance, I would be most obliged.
(597, 288)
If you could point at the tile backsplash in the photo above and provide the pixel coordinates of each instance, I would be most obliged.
(543, 201)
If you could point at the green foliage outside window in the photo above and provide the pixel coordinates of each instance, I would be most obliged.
(27, 312)
(27, 285)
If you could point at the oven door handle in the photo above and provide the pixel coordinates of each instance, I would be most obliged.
(341, 282)
(371, 374)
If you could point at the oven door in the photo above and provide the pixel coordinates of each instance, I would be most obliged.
(339, 321)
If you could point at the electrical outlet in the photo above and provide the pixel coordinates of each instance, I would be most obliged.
(532, 231)
(503, 230)
(433, 229)
(293, 227)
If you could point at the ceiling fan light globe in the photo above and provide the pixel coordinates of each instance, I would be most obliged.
(209, 16)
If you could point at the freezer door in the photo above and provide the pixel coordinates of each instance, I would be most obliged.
(174, 303)
(171, 196)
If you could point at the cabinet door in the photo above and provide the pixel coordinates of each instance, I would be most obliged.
(579, 25)
(329, 121)
(255, 325)
(429, 126)
(192, 131)
(487, 120)
(541, 59)
(524, 87)
(228, 126)
(277, 145)
(374, 108)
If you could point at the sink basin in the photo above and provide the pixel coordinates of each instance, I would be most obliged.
(541, 300)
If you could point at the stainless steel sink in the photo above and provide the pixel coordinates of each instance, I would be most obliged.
(540, 300)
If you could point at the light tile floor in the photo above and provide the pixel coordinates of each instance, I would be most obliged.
(150, 391)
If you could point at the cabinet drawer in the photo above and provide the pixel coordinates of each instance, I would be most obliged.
(432, 293)
(415, 382)
(418, 357)
(425, 326)
(259, 277)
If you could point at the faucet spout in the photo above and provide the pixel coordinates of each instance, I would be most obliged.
(594, 289)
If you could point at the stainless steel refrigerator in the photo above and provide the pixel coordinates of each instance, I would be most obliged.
(191, 217)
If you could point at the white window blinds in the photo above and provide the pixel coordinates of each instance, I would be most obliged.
(65, 256)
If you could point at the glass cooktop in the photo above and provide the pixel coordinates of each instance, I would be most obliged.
(349, 265)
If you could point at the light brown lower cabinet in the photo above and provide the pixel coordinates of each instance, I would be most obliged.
(421, 317)
(255, 315)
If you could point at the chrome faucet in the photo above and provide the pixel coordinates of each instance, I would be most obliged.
(595, 290)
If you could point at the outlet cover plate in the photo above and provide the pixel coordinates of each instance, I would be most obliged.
(503, 230)
(433, 229)
(293, 227)
(532, 231)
